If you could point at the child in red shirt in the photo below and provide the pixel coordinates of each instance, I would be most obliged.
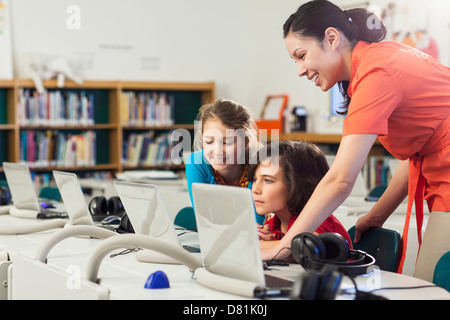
(283, 183)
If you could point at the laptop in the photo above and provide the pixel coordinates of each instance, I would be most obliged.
(23, 194)
(229, 242)
(73, 197)
(148, 215)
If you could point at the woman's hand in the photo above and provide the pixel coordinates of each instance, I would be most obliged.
(364, 223)
(389, 201)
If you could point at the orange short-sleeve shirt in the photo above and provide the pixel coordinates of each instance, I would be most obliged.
(403, 96)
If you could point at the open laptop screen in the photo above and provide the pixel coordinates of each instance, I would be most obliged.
(228, 237)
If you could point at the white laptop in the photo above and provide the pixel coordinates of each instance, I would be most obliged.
(23, 194)
(229, 242)
(73, 198)
(148, 215)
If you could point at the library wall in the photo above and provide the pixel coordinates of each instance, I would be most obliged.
(237, 44)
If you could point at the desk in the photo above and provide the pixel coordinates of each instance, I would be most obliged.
(123, 277)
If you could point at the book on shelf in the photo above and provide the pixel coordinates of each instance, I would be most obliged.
(144, 149)
(376, 171)
(40, 149)
(146, 108)
(55, 108)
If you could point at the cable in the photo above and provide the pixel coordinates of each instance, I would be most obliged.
(275, 261)
(365, 295)
(413, 287)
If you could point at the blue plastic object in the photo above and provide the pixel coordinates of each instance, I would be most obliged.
(157, 280)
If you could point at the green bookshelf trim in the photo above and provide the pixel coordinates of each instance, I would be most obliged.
(187, 104)
(3, 146)
(3, 107)
(102, 147)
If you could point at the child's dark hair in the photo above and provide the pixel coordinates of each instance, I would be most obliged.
(314, 17)
(303, 165)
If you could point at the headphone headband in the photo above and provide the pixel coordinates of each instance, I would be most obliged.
(311, 252)
(358, 265)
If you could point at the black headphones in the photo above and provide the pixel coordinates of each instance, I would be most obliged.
(102, 206)
(5, 196)
(317, 285)
(314, 252)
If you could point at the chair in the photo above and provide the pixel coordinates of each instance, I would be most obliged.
(383, 244)
(185, 218)
(50, 193)
(441, 275)
(376, 192)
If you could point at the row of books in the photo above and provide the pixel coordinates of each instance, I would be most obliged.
(376, 171)
(55, 108)
(147, 108)
(144, 149)
(58, 149)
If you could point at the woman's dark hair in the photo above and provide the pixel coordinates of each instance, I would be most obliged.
(314, 17)
(303, 165)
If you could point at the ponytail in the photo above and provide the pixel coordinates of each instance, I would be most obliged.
(314, 17)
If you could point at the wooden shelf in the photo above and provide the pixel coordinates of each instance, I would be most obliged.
(314, 137)
(191, 94)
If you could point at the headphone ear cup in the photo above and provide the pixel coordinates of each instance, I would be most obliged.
(307, 245)
(336, 247)
(305, 288)
(125, 225)
(115, 206)
(330, 281)
(314, 285)
(5, 196)
(98, 205)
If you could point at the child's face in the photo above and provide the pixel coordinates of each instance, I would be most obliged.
(221, 145)
(270, 193)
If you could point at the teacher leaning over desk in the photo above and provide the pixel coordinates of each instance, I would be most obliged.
(394, 93)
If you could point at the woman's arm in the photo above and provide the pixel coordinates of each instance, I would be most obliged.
(394, 194)
(330, 193)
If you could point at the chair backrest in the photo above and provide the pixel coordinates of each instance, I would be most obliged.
(186, 218)
(51, 193)
(442, 272)
(383, 244)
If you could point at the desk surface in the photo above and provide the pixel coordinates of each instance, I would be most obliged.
(124, 277)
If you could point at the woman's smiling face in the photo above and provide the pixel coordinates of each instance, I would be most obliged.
(320, 62)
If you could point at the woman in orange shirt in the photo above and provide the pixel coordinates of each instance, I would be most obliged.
(393, 92)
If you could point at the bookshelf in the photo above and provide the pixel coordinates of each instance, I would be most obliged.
(29, 121)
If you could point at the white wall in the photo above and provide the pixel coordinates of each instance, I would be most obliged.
(238, 44)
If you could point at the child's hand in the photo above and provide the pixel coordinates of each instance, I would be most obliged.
(265, 233)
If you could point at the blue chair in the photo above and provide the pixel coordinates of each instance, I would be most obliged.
(50, 193)
(383, 244)
(185, 218)
(441, 275)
